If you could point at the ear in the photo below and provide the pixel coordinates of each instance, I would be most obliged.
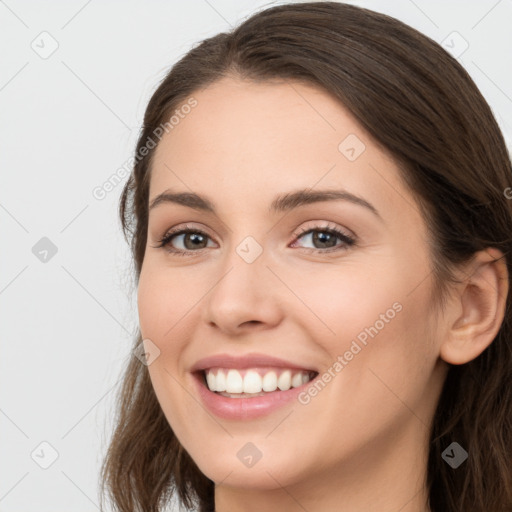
(480, 303)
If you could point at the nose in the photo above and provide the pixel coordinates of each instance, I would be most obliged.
(246, 296)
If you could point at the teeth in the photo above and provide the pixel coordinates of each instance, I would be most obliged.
(231, 381)
(269, 381)
(297, 380)
(210, 380)
(234, 382)
(284, 382)
(252, 382)
(220, 381)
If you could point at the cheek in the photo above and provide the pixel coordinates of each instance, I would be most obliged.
(345, 300)
(390, 355)
(162, 307)
(375, 318)
(162, 300)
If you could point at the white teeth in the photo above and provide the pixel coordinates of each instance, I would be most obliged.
(297, 380)
(284, 382)
(220, 381)
(270, 381)
(231, 381)
(210, 380)
(252, 382)
(234, 382)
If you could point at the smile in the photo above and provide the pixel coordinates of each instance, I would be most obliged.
(252, 382)
(248, 386)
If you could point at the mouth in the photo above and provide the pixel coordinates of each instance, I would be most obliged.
(240, 387)
(253, 382)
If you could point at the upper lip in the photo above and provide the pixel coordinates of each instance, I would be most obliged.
(245, 361)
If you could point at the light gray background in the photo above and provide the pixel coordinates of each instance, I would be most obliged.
(67, 123)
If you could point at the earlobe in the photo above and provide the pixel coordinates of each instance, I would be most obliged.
(481, 303)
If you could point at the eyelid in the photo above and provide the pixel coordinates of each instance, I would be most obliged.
(347, 237)
(182, 229)
(318, 225)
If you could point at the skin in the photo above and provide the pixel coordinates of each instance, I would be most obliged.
(361, 443)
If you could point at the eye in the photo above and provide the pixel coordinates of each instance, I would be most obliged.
(325, 238)
(192, 240)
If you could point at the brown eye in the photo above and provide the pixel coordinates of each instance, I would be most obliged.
(326, 238)
(188, 240)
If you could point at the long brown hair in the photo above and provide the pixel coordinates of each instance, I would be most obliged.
(422, 107)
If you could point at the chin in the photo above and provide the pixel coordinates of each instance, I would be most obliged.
(227, 469)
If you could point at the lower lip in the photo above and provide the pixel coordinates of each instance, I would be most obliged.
(245, 408)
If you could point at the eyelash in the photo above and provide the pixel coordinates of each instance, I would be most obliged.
(347, 240)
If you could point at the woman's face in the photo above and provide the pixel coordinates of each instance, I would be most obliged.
(264, 284)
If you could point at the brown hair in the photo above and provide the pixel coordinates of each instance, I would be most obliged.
(422, 107)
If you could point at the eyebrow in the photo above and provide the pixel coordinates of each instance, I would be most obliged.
(281, 203)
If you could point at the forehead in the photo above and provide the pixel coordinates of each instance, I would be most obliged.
(263, 121)
(245, 138)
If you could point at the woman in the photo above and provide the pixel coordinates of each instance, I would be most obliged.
(322, 245)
